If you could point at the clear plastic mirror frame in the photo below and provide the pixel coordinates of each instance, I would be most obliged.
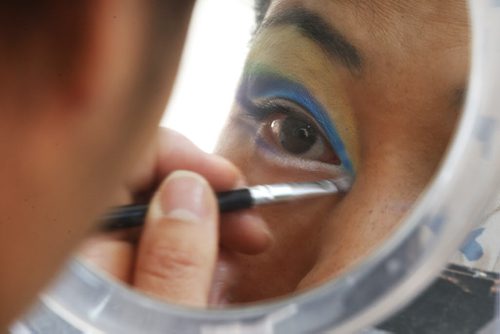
(83, 301)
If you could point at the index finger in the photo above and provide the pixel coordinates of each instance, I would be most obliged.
(174, 151)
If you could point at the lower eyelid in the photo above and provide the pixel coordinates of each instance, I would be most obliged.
(277, 159)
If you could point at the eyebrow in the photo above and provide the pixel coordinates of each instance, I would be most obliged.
(312, 26)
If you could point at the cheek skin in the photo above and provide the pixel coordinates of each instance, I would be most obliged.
(278, 271)
(368, 216)
(318, 240)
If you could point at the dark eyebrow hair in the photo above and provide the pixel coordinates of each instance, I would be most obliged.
(312, 26)
(260, 9)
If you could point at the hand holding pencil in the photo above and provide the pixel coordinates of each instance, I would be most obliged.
(175, 256)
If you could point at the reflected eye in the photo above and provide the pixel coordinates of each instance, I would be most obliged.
(295, 135)
(287, 128)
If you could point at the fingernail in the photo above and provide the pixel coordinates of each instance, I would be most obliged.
(185, 196)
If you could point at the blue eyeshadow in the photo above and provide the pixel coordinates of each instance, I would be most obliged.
(265, 85)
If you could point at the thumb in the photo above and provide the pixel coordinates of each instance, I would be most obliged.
(179, 245)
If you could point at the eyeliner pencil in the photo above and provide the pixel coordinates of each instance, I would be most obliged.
(134, 215)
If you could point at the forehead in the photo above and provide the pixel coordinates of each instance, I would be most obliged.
(394, 8)
(388, 19)
(414, 54)
(444, 9)
(392, 34)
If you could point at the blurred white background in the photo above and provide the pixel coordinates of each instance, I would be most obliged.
(210, 69)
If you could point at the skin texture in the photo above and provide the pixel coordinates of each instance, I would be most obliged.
(82, 89)
(395, 115)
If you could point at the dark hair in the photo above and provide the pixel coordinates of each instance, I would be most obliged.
(49, 33)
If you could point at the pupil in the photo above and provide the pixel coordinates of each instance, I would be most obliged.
(297, 136)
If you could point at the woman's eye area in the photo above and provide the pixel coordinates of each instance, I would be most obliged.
(296, 135)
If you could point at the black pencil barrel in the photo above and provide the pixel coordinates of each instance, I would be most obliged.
(134, 215)
(234, 200)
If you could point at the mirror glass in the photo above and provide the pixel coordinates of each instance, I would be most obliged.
(368, 91)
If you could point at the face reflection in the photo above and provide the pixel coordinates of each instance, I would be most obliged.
(366, 90)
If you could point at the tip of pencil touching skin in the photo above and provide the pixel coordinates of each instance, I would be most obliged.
(343, 184)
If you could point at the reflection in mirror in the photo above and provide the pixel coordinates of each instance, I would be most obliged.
(369, 90)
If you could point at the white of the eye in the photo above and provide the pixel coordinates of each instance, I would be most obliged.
(316, 151)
